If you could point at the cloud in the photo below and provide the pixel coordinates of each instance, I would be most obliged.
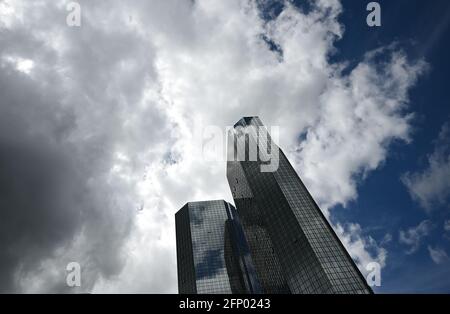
(67, 128)
(97, 129)
(360, 115)
(413, 236)
(438, 255)
(386, 239)
(363, 249)
(447, 225)
(431, 186)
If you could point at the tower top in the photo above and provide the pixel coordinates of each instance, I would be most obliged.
(245, 121)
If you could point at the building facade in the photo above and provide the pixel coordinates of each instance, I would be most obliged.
(293, 246)
(212, 254)
(276, 240)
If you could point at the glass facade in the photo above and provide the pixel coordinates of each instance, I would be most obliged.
(276, 241)
(212, 255)
(292, 244)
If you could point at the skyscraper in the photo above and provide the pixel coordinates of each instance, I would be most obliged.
(212, 253)
(276, 241)
(293, 247)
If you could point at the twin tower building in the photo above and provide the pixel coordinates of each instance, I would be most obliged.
(276, 239)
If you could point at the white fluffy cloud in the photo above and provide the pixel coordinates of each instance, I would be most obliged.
(136, 79)
(438, 255)
(431, 187)
(359, 116)
(447, 225)
(413, 237)
(363, 249)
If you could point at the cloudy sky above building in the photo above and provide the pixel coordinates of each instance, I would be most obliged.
(99, 145)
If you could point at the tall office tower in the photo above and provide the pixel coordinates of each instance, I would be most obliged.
(293, 247)
(212, 253)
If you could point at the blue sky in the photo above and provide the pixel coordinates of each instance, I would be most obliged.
(422, 29)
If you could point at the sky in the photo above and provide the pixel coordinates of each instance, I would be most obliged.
(98, 131)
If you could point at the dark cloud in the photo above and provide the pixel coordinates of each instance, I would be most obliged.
(61, 127)
(46, 196)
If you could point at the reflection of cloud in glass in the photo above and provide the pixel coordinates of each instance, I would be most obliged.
(207, 222)
(213, 255)
(197, 216)
(211, 264)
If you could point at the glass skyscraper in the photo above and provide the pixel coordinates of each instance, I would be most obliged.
(276, 240)
(293, 246)
(212, 253)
